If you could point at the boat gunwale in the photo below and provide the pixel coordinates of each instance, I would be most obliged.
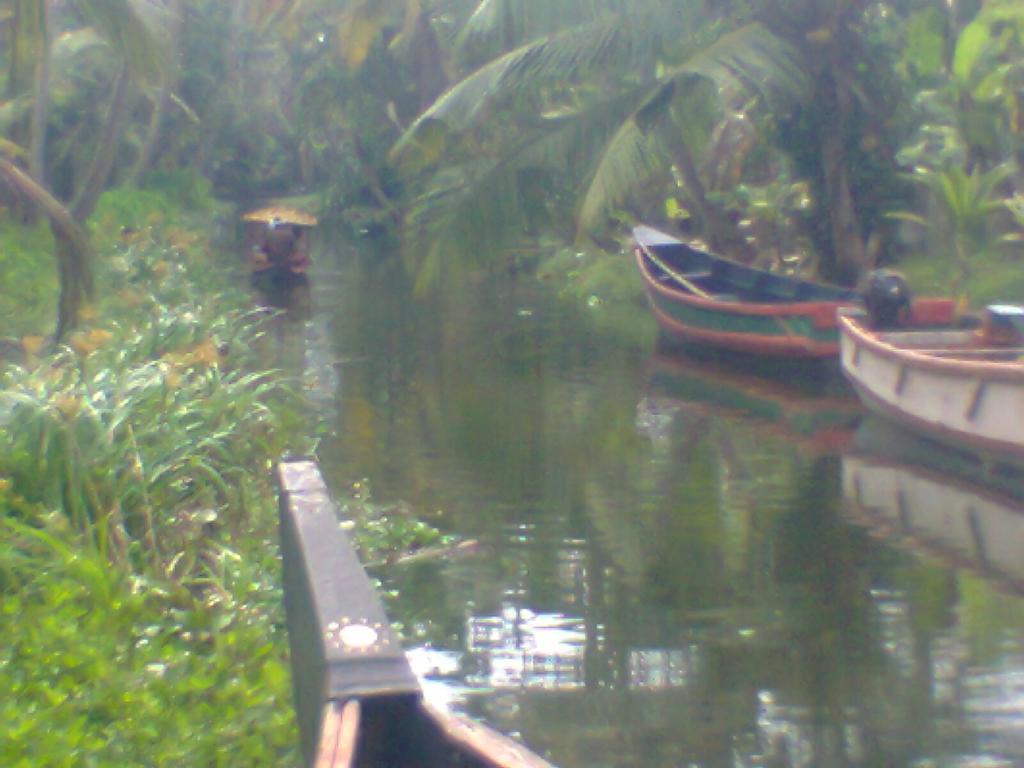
(851, 327)
(798, 308)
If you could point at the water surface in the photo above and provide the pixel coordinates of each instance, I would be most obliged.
(678, 563)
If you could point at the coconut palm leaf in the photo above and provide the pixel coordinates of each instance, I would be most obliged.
(748, 60)
(629, 157)
(510, 23)
(464, 218)
(468, 213)
(737, 63)
(559, 58)
(136, 28)
(600, 134)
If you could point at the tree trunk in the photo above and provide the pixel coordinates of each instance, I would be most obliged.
(149, 143)
(169, 83)
(24, 31)
(722, 234)
(103, 159)
(73, 251)
(851, 258)
(41, 103)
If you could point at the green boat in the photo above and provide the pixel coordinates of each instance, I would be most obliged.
(699, 298)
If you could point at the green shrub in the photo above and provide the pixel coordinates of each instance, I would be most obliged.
(139, 585)
(28, 277)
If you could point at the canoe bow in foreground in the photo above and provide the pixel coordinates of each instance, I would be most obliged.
(357, 700)
(953, 385)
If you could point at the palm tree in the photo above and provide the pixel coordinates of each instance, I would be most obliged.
(130, 28)
(582, 102)
(843, 138)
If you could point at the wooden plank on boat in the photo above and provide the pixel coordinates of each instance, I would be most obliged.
(338, 735)
(901, 380)
(976, 400)
(342, 643)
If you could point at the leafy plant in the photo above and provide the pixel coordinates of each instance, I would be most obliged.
(966, 211)
(138, 576)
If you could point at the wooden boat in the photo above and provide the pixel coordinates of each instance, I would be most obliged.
(963, 524)
(700, 298)
(357, 700)
(277, 240)
(962, 386)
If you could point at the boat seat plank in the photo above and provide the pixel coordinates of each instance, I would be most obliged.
(339, 733)
(674, 278)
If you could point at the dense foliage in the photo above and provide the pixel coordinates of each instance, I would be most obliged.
(138, 562)
(791, 133)
(139, 572)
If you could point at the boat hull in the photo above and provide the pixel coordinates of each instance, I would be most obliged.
(799, 333)
(963, 403)
(699, 298)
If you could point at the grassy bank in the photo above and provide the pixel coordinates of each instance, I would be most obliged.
(139, 590)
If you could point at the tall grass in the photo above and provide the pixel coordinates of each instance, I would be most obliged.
(139, 595)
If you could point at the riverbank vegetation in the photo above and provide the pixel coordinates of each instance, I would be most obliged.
(138, 561)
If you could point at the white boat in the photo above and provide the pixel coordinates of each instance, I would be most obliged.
(961, 386)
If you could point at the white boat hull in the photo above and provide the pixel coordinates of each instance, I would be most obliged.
(917, 379)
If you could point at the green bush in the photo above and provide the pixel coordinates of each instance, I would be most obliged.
(28, 277)
(139, 585)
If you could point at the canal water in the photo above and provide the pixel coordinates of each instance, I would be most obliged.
(669, 561)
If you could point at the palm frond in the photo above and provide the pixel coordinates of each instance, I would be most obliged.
(468, 216)
(749, 59)
(628, 158)
(471, 212)
(510, 23)
(136, 28)
(559, 58)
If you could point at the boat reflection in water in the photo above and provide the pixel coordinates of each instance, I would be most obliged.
(922, 496)
(808, 412)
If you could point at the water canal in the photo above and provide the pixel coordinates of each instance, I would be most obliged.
(676, 563)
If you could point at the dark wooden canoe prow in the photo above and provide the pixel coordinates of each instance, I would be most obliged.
(357, 700)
